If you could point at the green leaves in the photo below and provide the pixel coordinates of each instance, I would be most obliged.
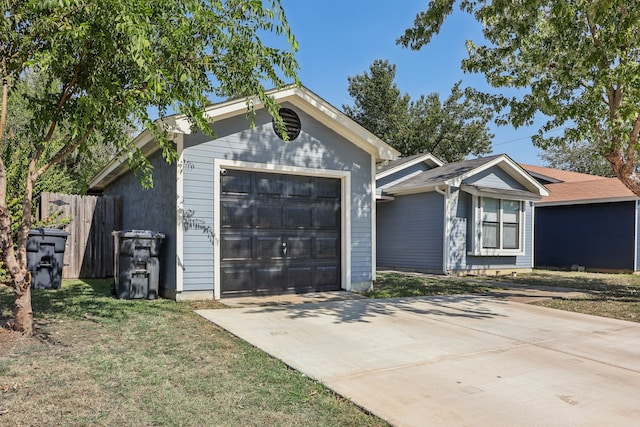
(115, 59)
(450, 129)
(577, 62)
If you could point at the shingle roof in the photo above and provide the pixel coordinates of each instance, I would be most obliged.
(559, 174)
(443, 173)
(596, 190)
(387, 166)
(395, 163)
(574, 187)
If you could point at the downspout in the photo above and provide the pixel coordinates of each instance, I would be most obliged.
(445, 233)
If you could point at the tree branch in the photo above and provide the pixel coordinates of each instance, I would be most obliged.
(68, 148)
(4, 106)
(68, 90)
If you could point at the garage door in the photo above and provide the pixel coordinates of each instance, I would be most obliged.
(280, 233)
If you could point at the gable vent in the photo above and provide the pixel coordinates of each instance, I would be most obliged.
(291, 122)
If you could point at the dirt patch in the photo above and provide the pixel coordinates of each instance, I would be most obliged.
(10, 340)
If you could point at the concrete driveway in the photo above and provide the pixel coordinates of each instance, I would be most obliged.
(456, 360)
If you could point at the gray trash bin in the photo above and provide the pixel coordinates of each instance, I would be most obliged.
(137, 263)
(45, 257)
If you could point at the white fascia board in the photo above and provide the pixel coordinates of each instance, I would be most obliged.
(424, 158)
(513, 169)
(418, 189)
(398, 181)
(471, 189)
(586, 201)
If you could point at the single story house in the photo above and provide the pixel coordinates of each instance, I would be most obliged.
(474, 216)
(586, 221)
(247, 213)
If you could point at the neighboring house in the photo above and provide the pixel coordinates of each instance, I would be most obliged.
(249, 214)
(586, 222)
(474, 216)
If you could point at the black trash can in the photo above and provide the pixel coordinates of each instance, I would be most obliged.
(45, 257)
(137, 263)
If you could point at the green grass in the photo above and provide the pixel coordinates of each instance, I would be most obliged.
(610, 295)
(95, 360)
(396, 285)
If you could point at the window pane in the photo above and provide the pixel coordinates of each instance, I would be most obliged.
(510, 211)
(490, 209)
(489, 235)
(510, 236)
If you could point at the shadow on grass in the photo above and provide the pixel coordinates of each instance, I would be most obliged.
(395, 285)
(82, 299)
(619, 287)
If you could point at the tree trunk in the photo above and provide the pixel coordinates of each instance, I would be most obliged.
(624, 170)
(22, 311)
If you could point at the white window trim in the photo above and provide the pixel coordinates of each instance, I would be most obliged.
(476, 229)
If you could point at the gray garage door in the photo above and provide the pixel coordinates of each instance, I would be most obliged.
(280, 233)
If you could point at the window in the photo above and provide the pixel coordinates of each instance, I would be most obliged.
(499, 226)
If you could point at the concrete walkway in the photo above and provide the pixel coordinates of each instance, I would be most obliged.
(456, 360)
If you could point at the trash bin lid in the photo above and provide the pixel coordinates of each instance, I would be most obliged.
(145, 234)
(54, 232)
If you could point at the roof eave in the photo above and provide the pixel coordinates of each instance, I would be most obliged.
(301, 97)
(517, 172)
(587, 201)
(424, 158)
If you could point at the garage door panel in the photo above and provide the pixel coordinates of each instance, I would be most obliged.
(327, 188)
(326, 276)
(269, 247)
(236, 279)
(236, 215)
(300, 278)
(270, 279)
(269, 217)
(236, 182)
(281, 235)
(236, 247)
(269, 185)
(299, 217)
(327, 217)
(299, 248)
(327, 247)
(299, 187)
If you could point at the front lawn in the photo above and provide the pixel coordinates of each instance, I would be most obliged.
(390, 284)
(610, 295)
(95, 360)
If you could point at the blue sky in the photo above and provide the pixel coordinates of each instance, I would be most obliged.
(342, 38)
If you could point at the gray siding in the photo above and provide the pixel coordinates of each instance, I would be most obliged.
(410, 231)
(496, 178)
(316, 147)
(152, 209)
(402, 174)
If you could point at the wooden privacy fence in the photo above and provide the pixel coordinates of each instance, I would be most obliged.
(89, 249)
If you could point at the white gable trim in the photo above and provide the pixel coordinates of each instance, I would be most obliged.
(426, 158)
(509, 166)
(308, 102)
(300, 97)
